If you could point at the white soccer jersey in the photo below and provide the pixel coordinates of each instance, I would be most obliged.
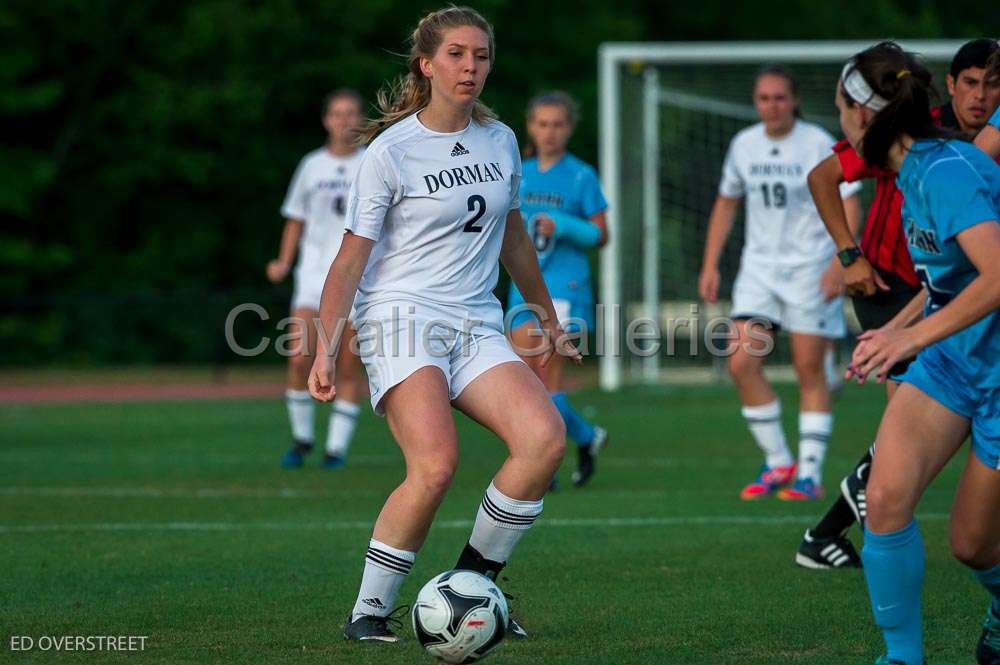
(782, 223)
(436, 205)
(318, 196)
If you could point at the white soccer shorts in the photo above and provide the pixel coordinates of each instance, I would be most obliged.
(309, 280)
(393, 349)
(790, 297)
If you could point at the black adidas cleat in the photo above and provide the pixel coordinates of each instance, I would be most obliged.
(370, 628)
(514, 629)
(826, 553)
(586, 457)
(853, 488)
(471, 559)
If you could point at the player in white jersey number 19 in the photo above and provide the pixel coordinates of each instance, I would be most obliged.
(314, 212)
(788, 277)
(434, 207)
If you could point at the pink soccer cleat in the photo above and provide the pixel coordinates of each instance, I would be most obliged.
(768, 482)
(804, 489)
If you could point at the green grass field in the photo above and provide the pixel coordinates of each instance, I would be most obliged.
(174, 521)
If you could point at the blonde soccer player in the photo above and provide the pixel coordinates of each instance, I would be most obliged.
(434, 208)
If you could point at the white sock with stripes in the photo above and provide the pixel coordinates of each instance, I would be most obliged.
(814, 433)
(385, 569)
(300, 414)
(343, 419)
(764, 422)
(500, 523)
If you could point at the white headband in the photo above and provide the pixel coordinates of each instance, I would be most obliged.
(857, 88)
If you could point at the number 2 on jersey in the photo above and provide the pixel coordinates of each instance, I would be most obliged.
(477, 204)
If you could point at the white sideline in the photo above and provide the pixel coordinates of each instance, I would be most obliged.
(606, 522)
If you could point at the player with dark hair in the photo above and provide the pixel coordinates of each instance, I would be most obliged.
(951, 194)
(879, 276)
(314, 211)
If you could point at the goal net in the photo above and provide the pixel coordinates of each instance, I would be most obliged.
(667, 114)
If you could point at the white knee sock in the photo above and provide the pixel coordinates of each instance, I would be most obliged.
(343, 419)
(300, 414)
(764, 422)
(500, 523)
(814, 434)
(385, 570)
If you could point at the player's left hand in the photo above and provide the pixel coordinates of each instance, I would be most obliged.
(560, 342)
(878, 350)
(832, 282)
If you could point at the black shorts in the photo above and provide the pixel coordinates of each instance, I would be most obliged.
(876, 310)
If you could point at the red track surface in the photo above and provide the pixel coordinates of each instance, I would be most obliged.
(138, 392)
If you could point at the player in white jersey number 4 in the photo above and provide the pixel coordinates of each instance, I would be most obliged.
(314, 212)
(788, 277)
(434, 207)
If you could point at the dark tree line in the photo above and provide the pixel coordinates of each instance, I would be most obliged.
(147, 145)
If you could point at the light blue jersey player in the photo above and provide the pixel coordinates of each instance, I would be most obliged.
(564, 210)
(989, 137)
(951, 194)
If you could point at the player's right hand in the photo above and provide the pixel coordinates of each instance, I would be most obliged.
(321, 378)
(277, 270)
(861, 279)
(545, 226)
(708, 284)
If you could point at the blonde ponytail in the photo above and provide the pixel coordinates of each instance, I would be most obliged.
(412, 92)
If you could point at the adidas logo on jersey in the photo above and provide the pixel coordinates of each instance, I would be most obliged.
(459, 150)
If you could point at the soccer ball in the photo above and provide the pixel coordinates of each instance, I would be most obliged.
(460, 616)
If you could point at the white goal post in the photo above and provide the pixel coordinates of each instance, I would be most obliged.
(632, 93)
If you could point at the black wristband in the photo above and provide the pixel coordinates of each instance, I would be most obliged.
(849, 255)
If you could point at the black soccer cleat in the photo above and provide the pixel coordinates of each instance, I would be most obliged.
(853, 488)
(988, 648)
(826, 553)
(295, 456)
(369, 628)
(471, 559)
(516, 630)
(586, 457)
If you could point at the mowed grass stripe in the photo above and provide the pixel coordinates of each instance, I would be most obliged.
(599, 523)
(657, 561)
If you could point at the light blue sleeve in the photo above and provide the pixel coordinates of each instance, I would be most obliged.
(591, 196)
(958, 198)
(995, 118)
(574, 230)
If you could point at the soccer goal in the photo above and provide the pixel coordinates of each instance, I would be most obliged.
(667, 114)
